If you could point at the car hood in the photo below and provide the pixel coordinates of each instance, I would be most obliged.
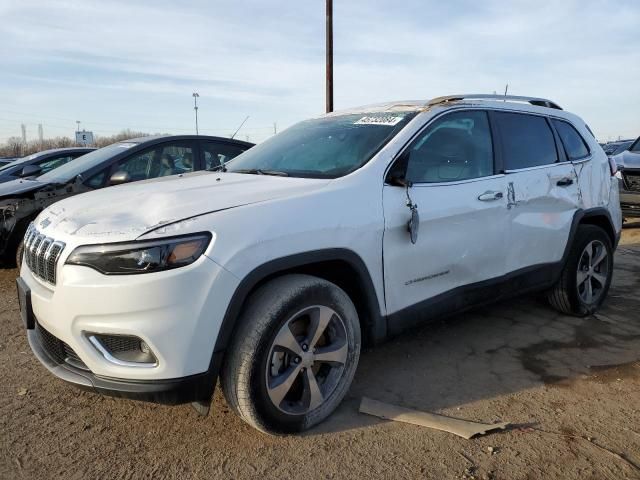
(627, 159)
(19, 186)
(125, 212)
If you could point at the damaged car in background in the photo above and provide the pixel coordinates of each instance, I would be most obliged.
(123, 162)
(628, 163)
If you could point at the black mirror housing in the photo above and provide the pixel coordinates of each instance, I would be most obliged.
(30, 171)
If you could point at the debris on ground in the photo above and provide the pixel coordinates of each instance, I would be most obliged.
(462, 428)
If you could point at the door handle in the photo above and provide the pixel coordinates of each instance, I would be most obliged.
(564, 182)
(489, 196)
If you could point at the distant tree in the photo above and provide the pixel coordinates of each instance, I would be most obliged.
(15, 148)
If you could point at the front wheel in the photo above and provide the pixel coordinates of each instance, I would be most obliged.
(293, 356)
(19, 254)
(586, 277)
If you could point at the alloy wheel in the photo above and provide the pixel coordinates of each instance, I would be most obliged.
(306, 360)
(593, 272)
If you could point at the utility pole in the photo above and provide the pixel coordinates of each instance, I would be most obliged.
(195, 107)
(275, 128)
(24, 134)
(78, 123)
(40, 134)
(329, 70)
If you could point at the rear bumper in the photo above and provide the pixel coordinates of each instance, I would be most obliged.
(169, 392)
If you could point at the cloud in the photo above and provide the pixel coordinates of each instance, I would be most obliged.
(136, 63)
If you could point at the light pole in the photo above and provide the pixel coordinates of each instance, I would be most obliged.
(195, 107)
(78, 123)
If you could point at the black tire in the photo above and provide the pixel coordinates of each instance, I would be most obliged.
(249, 357)
(19, 253)
(565, 296)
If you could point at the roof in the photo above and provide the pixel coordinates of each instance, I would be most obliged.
(501, 101)
(154, 138)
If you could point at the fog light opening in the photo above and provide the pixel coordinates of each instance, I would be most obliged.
(124, 350)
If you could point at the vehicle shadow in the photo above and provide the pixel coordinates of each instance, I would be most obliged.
(505, 348)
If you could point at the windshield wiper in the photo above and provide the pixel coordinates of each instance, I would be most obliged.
(222, 167)
(259, 171)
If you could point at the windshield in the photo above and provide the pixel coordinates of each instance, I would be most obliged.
(327, 147)
(636, 146)
(86, 162)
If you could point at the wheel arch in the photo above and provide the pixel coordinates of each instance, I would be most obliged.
(598, 216)
(343, 267)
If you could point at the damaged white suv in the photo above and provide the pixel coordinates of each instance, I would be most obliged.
(343, 229)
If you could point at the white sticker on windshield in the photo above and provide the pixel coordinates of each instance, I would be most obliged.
(390, 120)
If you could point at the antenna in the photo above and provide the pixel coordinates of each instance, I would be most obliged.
(238, 129)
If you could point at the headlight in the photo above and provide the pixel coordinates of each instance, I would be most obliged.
(141, 257)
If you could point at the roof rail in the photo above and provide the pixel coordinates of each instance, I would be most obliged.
(540, 102)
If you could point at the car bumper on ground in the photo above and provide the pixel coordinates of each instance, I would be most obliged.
(174, 313)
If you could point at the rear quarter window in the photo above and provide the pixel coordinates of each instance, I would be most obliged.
(526, 140)
(573, 143)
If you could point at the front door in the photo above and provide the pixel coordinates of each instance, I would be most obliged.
(462, 213)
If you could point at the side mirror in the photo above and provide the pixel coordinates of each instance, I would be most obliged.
(30, 171)
(118, 178)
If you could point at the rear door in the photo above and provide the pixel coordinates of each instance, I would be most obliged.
(462, 208)
(542, 187)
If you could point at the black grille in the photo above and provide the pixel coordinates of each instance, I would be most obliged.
(119, 343)
(631, 181)
(57, 349)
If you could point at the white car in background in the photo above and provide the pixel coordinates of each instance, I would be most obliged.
(343, 229)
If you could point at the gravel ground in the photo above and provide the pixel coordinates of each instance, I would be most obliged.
(570, 387)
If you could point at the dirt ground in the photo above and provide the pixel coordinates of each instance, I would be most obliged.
(569, 386)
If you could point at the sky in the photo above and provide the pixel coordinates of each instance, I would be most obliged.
(135, 64)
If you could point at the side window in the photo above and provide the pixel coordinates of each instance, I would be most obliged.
(159, 161)
(216, 154)
(573, 143)
(455, 147)
(51, 163)
(527, 140)
(97, 180)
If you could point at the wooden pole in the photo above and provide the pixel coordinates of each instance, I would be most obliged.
(329, 72)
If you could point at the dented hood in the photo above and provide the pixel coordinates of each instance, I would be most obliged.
(17, 187)
(125, 212)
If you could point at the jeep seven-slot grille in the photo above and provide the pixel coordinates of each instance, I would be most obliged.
(632, 180)
(41, 253)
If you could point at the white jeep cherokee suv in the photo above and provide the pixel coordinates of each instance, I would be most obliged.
(342, 229)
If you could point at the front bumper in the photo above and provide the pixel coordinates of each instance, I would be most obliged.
(629, 201)
(177, 313)
(169, 392)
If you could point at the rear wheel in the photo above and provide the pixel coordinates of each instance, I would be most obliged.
(294, 354)
(586, 277)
